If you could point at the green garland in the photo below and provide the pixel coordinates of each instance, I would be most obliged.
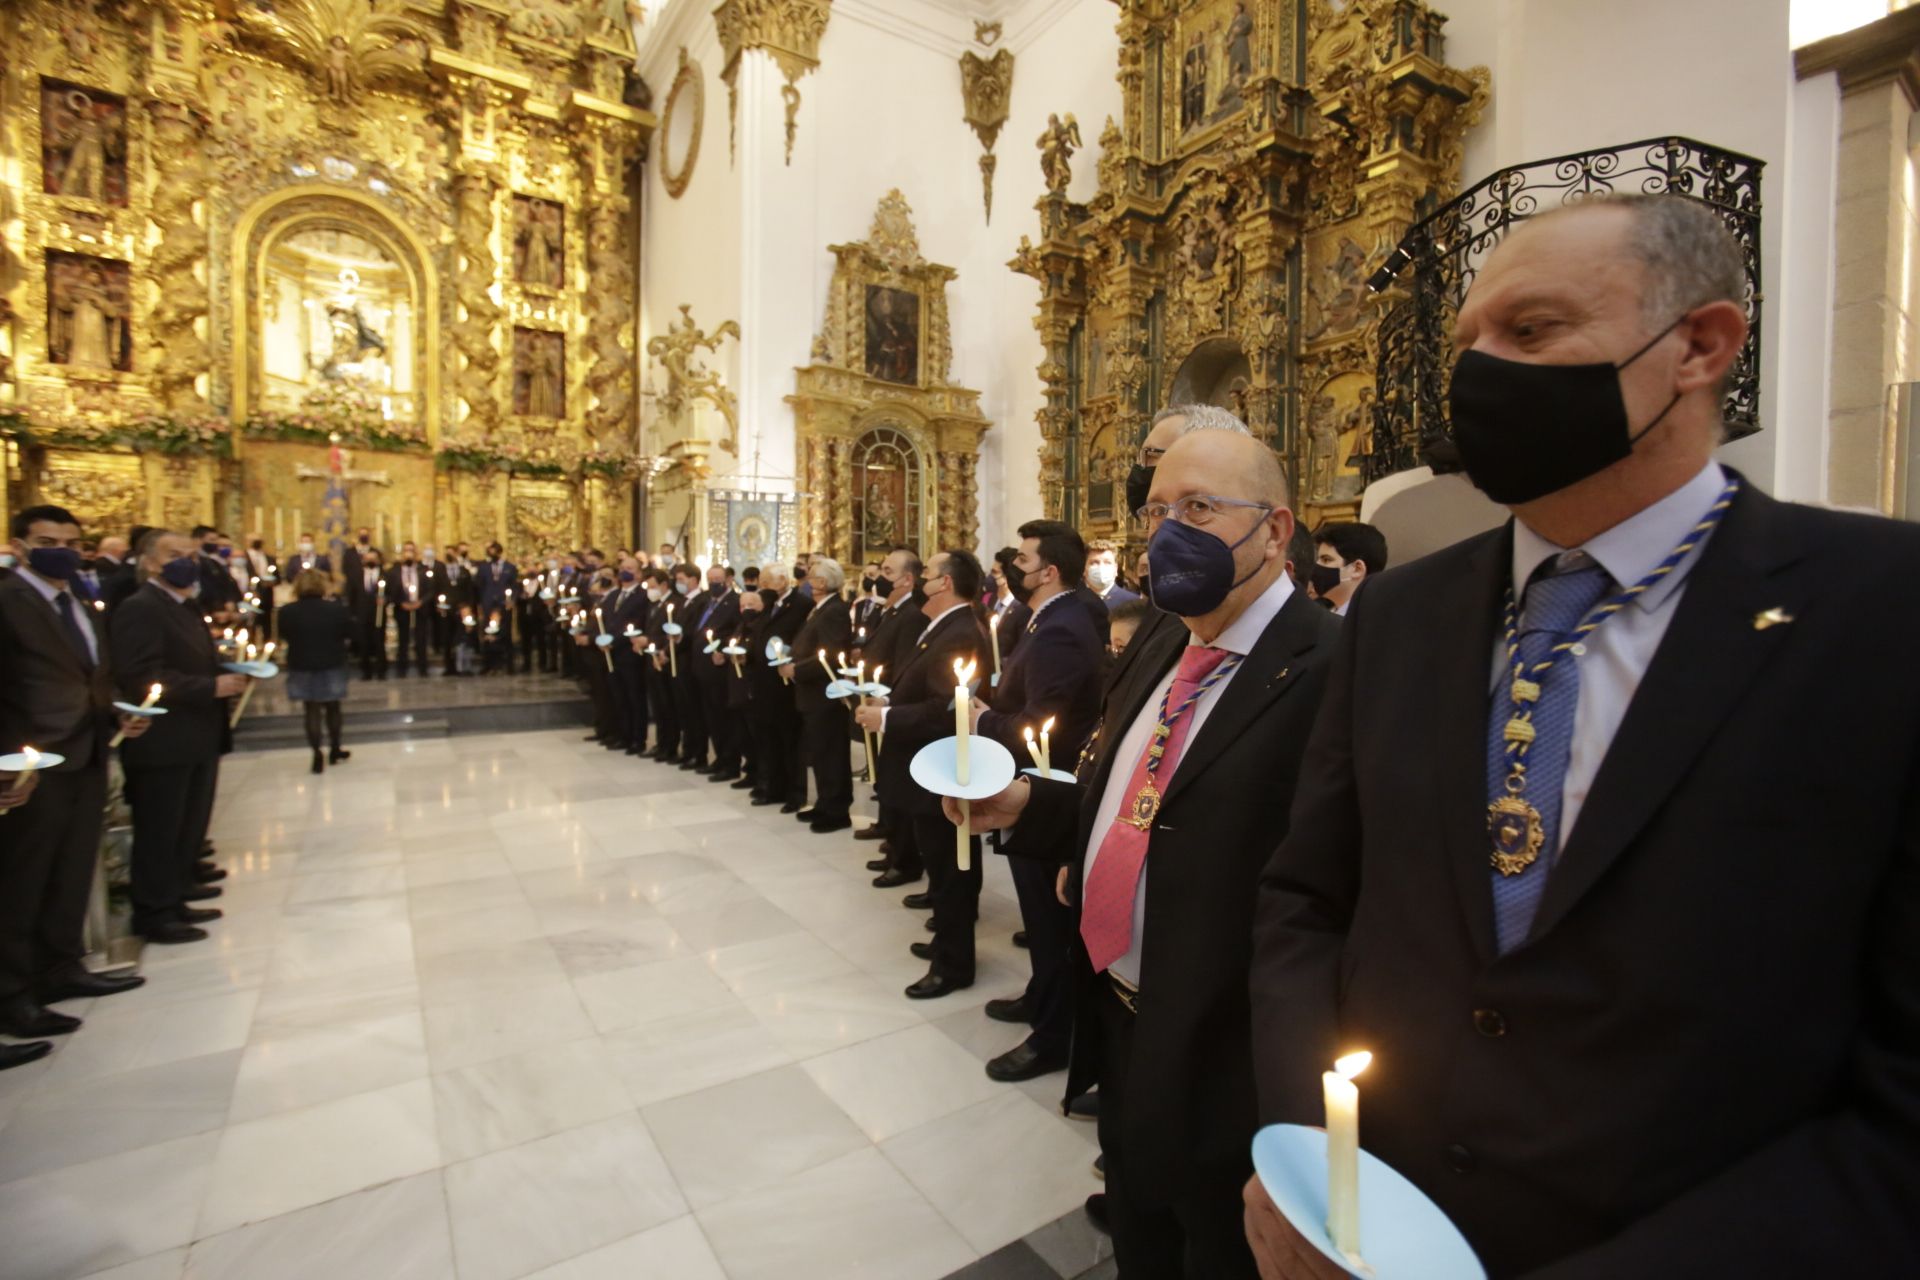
(309, 428)
(148, 433)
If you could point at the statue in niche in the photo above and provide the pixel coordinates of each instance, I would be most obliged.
(87, 300)
(339, 69)
(1239, 46)
(1057, 145)
(83, 153)
(1193, 82)
(1323, 448)
(539, 241)
(883, 522)
(1340, 289)
(539, 374)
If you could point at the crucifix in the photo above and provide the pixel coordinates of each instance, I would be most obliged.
(335, 515)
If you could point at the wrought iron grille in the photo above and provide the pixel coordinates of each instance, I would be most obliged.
(1445, 251)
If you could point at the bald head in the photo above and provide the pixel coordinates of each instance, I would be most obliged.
(1223, 463)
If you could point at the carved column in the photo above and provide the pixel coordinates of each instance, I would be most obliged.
(478, 379)
(841, 452)
(180, 354)
(610, 317)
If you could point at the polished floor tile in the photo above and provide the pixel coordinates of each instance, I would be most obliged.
(676, 1250)
(397, 1231)
(749, 1133)
(88, 1217)
(506, 1101)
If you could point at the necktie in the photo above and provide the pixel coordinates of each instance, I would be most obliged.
(1558, 597)
(64, 606)
(1106, 914)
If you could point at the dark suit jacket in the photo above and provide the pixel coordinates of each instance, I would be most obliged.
(459, 587)
(217, 587)
(363, 604)
(1191, 1077)
(1013, 627)
(156, 639)
(397, 589)
(1057, 671)
(48, 698)
(631, 612)
(920, 708)
(492, 582)
(296, 563)
(1097, 612)
(1155, 623)
(116, 582)
(1705, 1060)
(721, 621)
(891, 637)
(315, 632)
(828, 627)
(786, 616)
(1116, 597)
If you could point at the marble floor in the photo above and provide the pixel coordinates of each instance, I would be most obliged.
(500, 1006)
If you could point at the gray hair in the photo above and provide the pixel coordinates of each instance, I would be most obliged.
(1200, 417)
(829, 569)
(1685, 250)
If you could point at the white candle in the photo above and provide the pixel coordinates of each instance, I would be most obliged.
(1033, 749)
(1046, 745)
(961, 706)
(1343, 1151)
(993, 625)
(258, 523)
(279, 528)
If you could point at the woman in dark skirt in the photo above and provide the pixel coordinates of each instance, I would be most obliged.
(314, 630)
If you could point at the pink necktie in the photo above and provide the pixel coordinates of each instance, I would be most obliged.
(1106, 913)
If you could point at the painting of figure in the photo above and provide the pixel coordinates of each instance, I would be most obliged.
(88, 307)
(539, 374)
(83, 143)
(539, 240)
(893, 335)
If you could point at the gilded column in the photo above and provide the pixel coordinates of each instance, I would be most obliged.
(473, 334)
(178, 260)
(610, 317)
(841, 452)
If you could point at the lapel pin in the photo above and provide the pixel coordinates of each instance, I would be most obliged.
(1774, 617)
(1283, 674)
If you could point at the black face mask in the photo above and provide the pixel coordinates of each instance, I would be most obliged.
(1139, 481)
(1528, 430)
(1324, 578)
(1017, 583)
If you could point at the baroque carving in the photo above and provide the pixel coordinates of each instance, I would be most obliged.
(787, 30)
(986, 88)
(610, 323)
(689, 381)
(180, 356)
(473, 333)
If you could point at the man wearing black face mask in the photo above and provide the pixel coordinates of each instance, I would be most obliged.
(1345, 556)
(219, 596)
(1163, 835)
(496, 585)
(1599, 796)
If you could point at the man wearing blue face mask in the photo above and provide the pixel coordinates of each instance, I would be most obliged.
(1177, 802)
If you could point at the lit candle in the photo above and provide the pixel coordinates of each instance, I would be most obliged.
(26, 770)
(1343, 1152)
(1033, 749)
(153, 696)
(1046, 747)
(962, 705)
(279, 528)
(993, 625)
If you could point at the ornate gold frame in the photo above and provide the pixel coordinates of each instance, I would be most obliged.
(688, 79)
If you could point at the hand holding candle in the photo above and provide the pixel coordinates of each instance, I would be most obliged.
(22, 785)
(153, 696)
(1343, 1152)
(962, 707)
(1033, 749)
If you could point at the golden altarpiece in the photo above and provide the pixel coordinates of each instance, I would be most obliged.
(1271, 154)
(888, 447)
(308, 264)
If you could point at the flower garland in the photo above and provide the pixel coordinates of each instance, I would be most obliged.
(146, 433)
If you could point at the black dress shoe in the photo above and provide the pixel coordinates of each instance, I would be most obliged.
(1015, 1010)
(201, 892)
(172, 932)
(893, 878)
(1020, 937)
(592, 737)
(873, 831)
(929, 924)
(694, 766)
(921, 950)
(826, 826)
(742, 784)
(935, 985)
(336, 755)
(25, 1018)
(886, 848)
(204, 874)
(789, 807)
(79, 983)
(1024, 1062)
(880, 864)
(1100, 1166)
(803, 815)
(760, 801)
(917, 901)
(200, 915)
(19, 1055)
(730, 776)
(1097, 1212)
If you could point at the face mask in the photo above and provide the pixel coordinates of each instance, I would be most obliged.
(1528, 430)
(1101, 576)
(209, 548)
(684, 587)
(306, 548)
(427, 555)
(1324, 577)
(1017, 583)
(553, 564)
(1192, 571)
(8, 560)
(493, 555)
(626, 575)
(56, 564)
(717, 588)
(1139, 481)
(180, 574)
(364, 539)
(655, 594)
(256, 544)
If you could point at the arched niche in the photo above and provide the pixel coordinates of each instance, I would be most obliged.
(1215, 372)
(336, 304)
(891, 491)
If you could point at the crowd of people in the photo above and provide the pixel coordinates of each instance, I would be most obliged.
(1572, 825)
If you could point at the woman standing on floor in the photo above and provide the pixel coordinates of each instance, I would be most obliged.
(315, 630)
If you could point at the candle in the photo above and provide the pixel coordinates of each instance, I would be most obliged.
(279, 528)
(961, 706)
(26, 770)
(1046, 747)
(153, 696)
(1343, 1151)
(1033, 749)
(993, 625)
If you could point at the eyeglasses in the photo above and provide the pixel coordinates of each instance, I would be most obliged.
(1196, 509)
(1150, 456)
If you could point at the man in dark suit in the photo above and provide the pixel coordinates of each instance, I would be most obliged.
(826, 633)
(718, 612)
(1055, 673)
(57, 697)
(1650, 1005)
(783, 778)
(263, 575)
(919, 710)
(496, 584)
(367, 601)
(626, 610)
(219, 596)
(685, 604)
(114, 578)
(1185, 784)
(158, 638)
(306, 555)
(352, 555)
(456, 584)
(889, 638)
(410, 598)
(660, 706)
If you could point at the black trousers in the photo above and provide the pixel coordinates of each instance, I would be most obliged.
(781, 775)
(630, 684)
(956, 893)
(665, 713)
(746, 733)
(536, 637)
(370, 641)
(719, 719)
(46, 875)
(693, 716)
(1200, 1234)
(824, 742)
(496, 651)
(1049, 929)
(446, 637)
(907, 855)
(410, 637)
(608, 721)
(171, 810)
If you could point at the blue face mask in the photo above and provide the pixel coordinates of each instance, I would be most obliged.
(56, 564)
(626, 575)
(683, 587)
(180, 574)
(1189, 571)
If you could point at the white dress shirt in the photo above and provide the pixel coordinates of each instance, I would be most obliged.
(1620, 649)
(1238, 638)
(79, 606)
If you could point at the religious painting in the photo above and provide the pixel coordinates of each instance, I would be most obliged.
(1339, 435)
(893, 335)
(89, 306)
(886, 493)
(539, 242)
(83, 143)
(1216, 59)
(1337, 286)
(539, 373)
(337, 325)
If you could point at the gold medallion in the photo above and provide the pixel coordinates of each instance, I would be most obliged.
(1517, 834)
(1146, 804)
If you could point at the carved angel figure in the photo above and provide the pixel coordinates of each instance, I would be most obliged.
(349, 44)
(1057, 145)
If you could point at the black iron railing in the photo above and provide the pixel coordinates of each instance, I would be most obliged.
(1445, 250)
